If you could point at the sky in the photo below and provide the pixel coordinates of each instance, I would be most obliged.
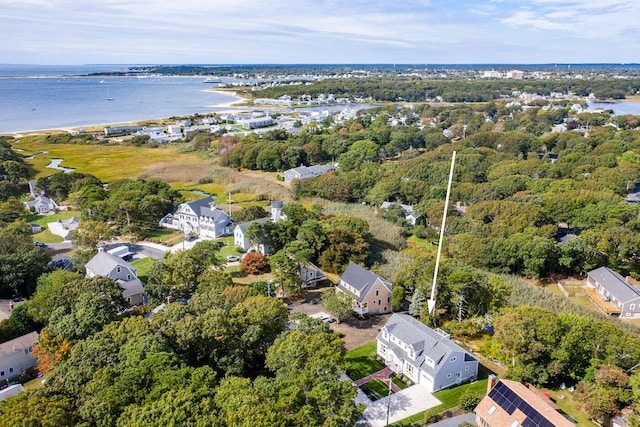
(319, 31)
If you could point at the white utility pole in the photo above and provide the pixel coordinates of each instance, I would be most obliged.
(431, 302)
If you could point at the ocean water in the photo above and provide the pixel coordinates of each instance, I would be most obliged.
(619, 108)
(37, 97)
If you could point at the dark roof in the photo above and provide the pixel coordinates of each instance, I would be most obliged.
(615, 284)
(277, 204)
(206, 208)
(361, 279)
(243, 226)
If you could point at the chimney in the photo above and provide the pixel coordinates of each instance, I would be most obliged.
(493, 380)
(100, 249)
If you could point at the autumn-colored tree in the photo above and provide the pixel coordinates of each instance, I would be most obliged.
(255, 263)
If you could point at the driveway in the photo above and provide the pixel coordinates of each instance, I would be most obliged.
(401, 405)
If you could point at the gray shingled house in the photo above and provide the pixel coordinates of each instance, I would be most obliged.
(424, 355)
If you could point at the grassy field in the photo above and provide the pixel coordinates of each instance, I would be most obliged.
(570, 406)
(361, 362)
(449, 398)
(45, 235)
(143, 265)
(107, 162)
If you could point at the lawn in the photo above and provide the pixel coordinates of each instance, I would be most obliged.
(162, 235)
(361, 363)
(570, 406)
(143, 265)
(375, 389)
(44, 219)
(449, 398)
(45, 235)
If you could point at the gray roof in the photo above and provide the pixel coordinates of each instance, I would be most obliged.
(408, 209)
(243, 226)
(131, 287)
(103, 263)
(615, 284)
(361, 279)
(20, 343)
(423, 340)
(206, 208)
(277, 204)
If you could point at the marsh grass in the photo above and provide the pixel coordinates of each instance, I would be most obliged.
(107, 162)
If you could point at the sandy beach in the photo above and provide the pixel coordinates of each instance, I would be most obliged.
(233, 107)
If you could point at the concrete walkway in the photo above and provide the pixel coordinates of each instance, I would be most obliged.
(399, 406)
(382, 375)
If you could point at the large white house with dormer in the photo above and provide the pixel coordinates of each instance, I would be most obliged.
(201, 217)
(424, 355)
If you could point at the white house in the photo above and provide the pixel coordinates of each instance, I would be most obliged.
(42, 205)
(240, 238)
(409, 215)
(425, 356)
(111, 266)
(304, 172)
(616, 295)
(16, 356)
(201, 217)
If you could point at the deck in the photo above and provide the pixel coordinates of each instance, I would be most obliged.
(606, 306)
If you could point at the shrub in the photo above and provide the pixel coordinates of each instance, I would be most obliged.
(469, 400)
(255, 263)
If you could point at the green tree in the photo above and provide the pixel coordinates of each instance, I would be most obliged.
(338, 304)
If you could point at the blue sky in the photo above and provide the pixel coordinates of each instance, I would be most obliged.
(319, 31)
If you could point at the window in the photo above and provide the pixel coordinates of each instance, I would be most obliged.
(10, 370)
(388, 299)
(377, 292)
(118, 269)
(466, 368)
(449, 375)
(492, 409)
(385, 308)
(26, 351)
(632, 307)
(1, 373)
(453, 359)
(379, 302)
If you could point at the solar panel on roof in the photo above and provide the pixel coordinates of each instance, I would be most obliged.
(509, 401)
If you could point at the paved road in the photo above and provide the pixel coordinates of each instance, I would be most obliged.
(152, 250)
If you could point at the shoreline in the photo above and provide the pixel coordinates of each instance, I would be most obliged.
(98, 127)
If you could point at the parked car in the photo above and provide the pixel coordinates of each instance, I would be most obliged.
(232, 258)
(191, 238)
(40, 244)
(219, 244)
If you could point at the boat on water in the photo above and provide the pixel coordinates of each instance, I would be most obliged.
(212, 80)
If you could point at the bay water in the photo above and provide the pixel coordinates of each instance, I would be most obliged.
(51, 97)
